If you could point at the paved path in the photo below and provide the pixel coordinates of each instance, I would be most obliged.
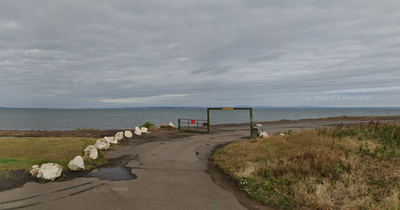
(171, 175)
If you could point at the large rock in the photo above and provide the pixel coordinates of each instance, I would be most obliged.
(137, 131)
(102, 144)
(35, 170)
(119, 136)
(50, 171)
(144, 129)
(128, 134)
(91, 152)
(163, 125)
(153, 128)
(111, 139)
(171, 125)
(264, 134)
(76, 164)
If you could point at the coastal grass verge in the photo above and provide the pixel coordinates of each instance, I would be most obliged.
(345, 167)
(21, 153)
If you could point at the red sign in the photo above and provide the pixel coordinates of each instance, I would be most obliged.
(192, 121)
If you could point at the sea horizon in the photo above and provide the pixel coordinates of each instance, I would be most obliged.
(128, 118)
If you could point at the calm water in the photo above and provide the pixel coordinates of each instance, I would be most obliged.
(67, 119)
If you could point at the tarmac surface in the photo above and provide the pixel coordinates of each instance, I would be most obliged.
(170, 175)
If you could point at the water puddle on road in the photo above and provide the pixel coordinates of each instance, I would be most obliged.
(113, 174)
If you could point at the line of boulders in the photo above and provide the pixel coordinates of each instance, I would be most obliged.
(51, 171)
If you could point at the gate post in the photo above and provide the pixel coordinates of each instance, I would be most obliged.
(208, 120)
(251, 123)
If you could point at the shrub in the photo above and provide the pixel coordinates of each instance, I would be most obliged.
(147, 125)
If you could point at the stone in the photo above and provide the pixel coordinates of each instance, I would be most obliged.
(50, 171)
(171, 125)
(91, 152)
(76, 164)
(137, 131)
(111, 139)
(264, 134)
(152, 129)
(144, 129)
(119, 136)
(102, 144)
(163, 125)
(128, 134)
(35, 170)
(282, 134)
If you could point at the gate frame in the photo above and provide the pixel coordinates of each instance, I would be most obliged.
(225, 108)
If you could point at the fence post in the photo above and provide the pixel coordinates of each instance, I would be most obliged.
(179, 124)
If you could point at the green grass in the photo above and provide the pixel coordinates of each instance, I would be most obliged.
(147, 125)
(346, 167)
(22, 153)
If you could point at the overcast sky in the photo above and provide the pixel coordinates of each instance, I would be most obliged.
(95, 54)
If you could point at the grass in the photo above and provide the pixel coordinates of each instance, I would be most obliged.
(346, 167)
(22, 153)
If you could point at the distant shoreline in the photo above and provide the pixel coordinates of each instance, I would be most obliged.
(161, 107)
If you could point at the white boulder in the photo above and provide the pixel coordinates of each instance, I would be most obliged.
(264, 134)
(119, 136)
(91, 152)
(128, 134)
(35, 170)
(76, 164)
(102, 144)
(111, 139)
(144, 129)
(171, 125)
(138, 131)
(49, 171)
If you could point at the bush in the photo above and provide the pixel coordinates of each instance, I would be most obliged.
(147, 125)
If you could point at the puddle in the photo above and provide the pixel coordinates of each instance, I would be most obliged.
(113, 174)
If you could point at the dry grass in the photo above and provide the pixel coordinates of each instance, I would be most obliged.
(22, 153)
(308, 170)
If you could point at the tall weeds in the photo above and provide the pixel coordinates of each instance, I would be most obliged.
(346, 167)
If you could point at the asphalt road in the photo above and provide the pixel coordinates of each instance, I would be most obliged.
(170, 175)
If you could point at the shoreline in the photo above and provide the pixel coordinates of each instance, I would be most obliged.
(95, 133)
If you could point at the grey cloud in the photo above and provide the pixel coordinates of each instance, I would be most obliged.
(81, 54)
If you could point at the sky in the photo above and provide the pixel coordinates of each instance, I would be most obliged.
(104, 54)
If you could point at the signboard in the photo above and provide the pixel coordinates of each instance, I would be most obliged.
(192, 121)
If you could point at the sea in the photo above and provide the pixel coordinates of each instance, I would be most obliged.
(73, 119)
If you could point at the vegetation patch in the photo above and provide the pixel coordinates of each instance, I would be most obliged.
(147, 125)
(345, 167)
(22, 153)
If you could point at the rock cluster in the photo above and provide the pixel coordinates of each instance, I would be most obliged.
(138, 131)
(76, 164)
(128, 134)
(102, 144)
(91, 152)
(119, 136)
(264, 134)
(51, 171)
